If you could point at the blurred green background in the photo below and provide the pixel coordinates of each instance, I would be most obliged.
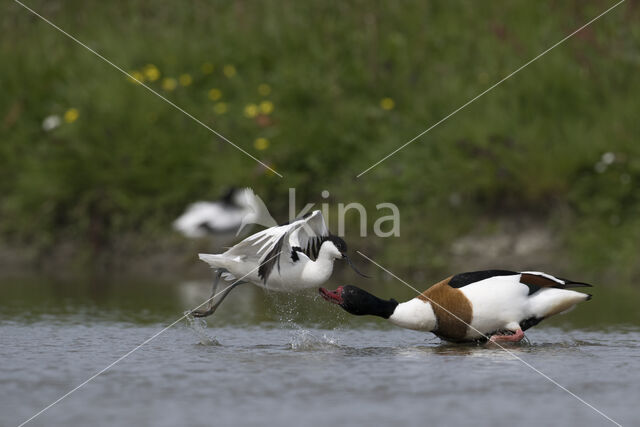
(540, 173)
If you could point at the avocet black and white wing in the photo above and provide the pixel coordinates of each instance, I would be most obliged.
(268, 247)
(256, 211)
(310, 235)
(303, 235)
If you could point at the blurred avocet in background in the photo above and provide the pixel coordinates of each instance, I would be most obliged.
(237, 209)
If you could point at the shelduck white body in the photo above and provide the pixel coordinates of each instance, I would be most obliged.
(414, 314)
(289, 257)
(495, 304)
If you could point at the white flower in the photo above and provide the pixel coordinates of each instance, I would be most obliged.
(608, 158)
(51, 122)
(601, 167)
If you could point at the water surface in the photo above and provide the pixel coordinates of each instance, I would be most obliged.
(281, 360)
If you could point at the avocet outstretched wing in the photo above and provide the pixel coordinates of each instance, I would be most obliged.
(256, 246)
(299, 233)
(310, 234)
(256, 210)
(305, 234)
(267, 247)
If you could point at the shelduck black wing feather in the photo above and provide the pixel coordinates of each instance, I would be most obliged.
(572, 284)
(532, 279)
(536, 281)
(464, 279)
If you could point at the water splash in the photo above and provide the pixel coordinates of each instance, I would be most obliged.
(199, 327)
(290, 310)
(287, 308)
(304, 340)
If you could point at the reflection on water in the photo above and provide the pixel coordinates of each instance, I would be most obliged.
(295, 360)
(147, 301)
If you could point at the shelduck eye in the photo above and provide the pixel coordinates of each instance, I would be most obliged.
(350, 290)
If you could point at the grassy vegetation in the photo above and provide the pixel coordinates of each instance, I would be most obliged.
(129, 162)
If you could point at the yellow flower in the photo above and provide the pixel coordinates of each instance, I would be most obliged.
(215, 94)
(261, 144)
(229, 71)
(151, 72)
(136, 77)
(264, 89)
(220, 107)
(387, 104)
(207, 68)
(251, 110)
(169, 84)
(185, 79)
(71, 115)
(266, 107)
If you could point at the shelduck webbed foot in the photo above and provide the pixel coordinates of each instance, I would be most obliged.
(518, 335)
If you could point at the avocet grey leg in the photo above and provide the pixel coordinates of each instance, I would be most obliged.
(213, 308)
(214, 286)
(216, 279)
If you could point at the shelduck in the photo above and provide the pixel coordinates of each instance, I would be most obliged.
(494, 305)
(288, 257)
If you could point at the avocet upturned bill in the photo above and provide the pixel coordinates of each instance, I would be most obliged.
(235, 210)
(288, 257)
(471, 306)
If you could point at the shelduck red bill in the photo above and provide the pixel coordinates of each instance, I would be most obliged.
(334, 297)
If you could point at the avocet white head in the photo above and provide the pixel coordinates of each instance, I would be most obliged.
(288, 257)
(494, 305)
(237, 209)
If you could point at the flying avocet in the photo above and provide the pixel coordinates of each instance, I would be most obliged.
(288, 257)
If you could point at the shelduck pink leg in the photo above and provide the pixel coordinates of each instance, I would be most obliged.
(517, 336)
